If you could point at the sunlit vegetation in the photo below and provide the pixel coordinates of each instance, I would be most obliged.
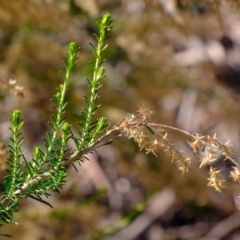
(178, 59)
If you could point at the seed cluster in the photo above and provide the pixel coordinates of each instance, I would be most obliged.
(135, 126)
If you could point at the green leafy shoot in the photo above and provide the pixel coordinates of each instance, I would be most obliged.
(91, 129)
(14, 161)
(45, 173)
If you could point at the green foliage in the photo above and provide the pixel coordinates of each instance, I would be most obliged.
(90, 130)
(45, 173)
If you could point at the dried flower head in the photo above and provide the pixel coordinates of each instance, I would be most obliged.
(153, 147)
(132, 125)
(144, 113)
(235, 174)
(206, 161)
(226, 151)
(197, 143)
(215, 180)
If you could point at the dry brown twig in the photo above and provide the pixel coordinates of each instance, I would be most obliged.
(132, 127)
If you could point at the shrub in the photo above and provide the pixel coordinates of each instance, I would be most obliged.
(45, 173)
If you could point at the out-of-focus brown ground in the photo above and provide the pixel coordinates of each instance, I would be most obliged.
(179, 58)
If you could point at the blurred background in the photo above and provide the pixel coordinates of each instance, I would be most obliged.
(180, 58)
